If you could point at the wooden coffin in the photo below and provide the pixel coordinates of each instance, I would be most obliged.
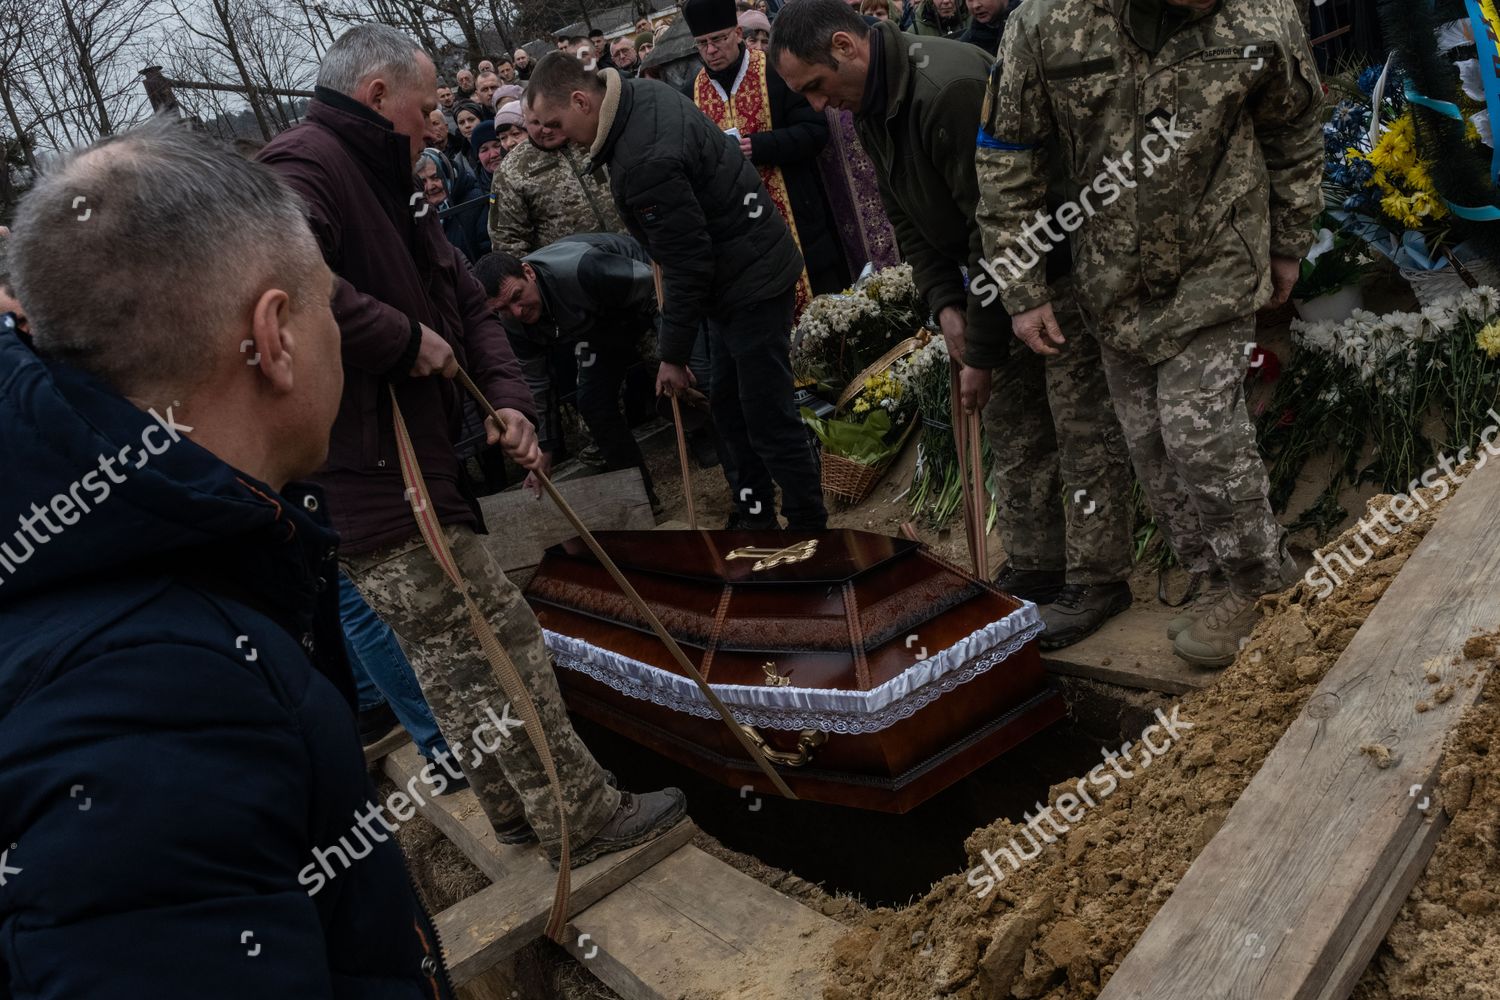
(875, 673)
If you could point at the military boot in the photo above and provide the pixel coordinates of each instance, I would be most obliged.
(518, 831)
(1039, 586)
(1213, 641)
(1079, 611)
(1211, 588)
(640, 818)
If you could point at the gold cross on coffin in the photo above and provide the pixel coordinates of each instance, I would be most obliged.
(768, 557)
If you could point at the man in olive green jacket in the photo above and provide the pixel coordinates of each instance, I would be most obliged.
(940, 18)
(1062, 477)
(1190, 133)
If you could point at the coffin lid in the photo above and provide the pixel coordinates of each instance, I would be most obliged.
(837, 555)
(873, 702)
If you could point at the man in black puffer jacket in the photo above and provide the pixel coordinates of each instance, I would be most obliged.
(698, 207)
(186, 811)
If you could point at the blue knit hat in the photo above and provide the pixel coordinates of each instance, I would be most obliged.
(483, 132)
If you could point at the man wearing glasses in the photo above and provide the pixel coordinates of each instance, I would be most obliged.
(777, 130)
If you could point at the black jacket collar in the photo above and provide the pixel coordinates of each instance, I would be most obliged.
(369, 136)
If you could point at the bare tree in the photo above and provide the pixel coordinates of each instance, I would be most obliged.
(504, 25)
(464, 15)
(314, 14)
(16, 66)
(216, 24)
(256, 46)
(68, 70)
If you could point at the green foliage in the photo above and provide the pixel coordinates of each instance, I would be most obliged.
(863, 441)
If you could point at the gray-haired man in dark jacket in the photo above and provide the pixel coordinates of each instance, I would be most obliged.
(409, 314)
(698, 206)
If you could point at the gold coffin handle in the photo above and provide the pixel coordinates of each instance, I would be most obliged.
(807, 741)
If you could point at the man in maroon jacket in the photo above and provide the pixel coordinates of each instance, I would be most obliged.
(410, 314)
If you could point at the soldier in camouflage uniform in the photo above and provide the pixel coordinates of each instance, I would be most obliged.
(1061, 472)
(409, 590)
(1190, 135)
(541, 195)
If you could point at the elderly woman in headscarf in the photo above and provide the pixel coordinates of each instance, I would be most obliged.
(462, 207)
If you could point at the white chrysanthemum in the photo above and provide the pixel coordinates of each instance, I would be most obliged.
(1486, 300)
(894, 284)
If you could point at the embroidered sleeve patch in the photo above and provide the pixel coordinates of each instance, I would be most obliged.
(649, 214)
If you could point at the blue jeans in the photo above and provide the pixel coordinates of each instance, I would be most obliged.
(382, 673)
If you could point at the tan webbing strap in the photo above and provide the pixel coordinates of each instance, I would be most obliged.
(980, 494)
(510, 677)
(640, 604)
(682, 454)
(682, 460)
(961, 446)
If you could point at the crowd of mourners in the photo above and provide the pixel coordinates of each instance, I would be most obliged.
(244, 456)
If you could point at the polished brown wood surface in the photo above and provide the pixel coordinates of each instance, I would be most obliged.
(856, 613)
(700, 555)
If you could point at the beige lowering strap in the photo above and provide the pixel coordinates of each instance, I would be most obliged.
(640, 604)
(682, 461)
(969, 446)
(505, 668)
(682, 453)
(510, 678)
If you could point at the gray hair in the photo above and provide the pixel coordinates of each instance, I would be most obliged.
(367, 50)
(805, 30)
(139, 257)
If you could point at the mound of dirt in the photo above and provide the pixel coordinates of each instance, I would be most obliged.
(1058, 925)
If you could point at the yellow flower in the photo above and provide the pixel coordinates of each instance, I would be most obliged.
(882, 385)
(1488, 339)
(1406, 186)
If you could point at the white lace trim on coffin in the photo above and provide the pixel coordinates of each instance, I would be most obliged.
(796, 708)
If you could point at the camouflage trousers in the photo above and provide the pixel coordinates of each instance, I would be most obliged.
(1061, 472)
(1195, 454)
(406, 587)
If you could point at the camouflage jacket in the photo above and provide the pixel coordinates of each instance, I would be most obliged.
(1187, 170)
(540, 196)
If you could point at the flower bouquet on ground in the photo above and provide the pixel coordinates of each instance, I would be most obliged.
(1383, 381)
(839, 336)
(936, 487)
(874, 418)
(1378, 181)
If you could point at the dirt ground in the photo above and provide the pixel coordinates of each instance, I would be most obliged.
(1059, 926)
